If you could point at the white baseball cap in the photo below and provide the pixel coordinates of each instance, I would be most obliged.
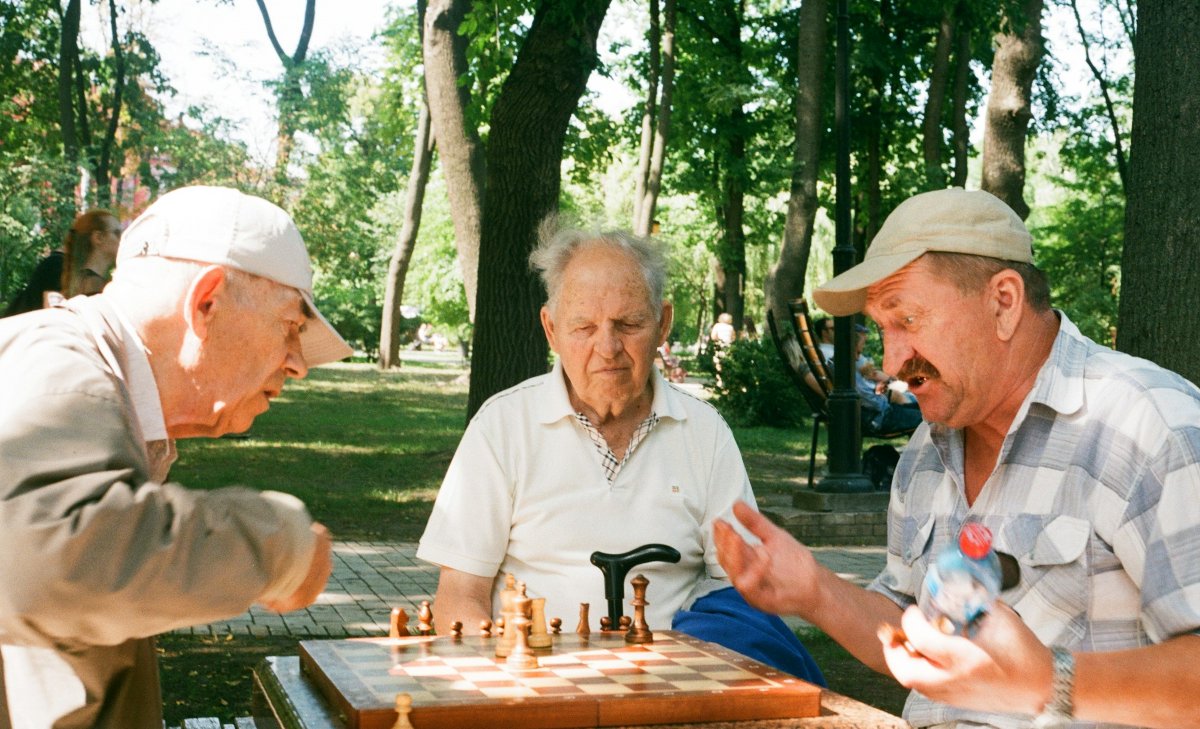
(229, 228)
(953, 220)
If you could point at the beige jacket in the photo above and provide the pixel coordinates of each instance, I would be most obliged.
(96, 554)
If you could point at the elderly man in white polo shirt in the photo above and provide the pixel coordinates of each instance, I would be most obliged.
(599, 454)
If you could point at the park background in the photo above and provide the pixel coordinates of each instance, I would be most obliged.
(418, 145)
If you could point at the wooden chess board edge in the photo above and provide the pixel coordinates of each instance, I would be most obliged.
(742, 706)
(789, 697)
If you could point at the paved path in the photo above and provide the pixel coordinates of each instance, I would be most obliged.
(371, 578)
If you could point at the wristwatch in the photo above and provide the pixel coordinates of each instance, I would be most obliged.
(1059, 710)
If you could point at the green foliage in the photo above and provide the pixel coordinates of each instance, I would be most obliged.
(34, 217)
(752, 387)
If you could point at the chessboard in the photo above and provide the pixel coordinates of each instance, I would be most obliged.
(587, 680)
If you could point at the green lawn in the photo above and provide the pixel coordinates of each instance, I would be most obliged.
(366, 451)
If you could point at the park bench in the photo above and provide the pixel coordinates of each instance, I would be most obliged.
(812, 377)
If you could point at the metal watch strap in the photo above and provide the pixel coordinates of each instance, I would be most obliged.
(1059, 710)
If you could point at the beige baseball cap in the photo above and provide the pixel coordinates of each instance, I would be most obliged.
(952, 221)
(229, 228)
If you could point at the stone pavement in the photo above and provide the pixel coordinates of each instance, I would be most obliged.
(371, 578)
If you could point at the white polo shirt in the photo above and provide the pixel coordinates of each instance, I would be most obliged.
(526, 494)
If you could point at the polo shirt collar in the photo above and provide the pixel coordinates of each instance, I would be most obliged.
(139, 378)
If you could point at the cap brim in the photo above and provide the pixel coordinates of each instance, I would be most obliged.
(847, 293)
(319, 341)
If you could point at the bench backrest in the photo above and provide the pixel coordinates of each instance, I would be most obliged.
(798, 367)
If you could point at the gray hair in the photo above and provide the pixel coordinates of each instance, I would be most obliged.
(557, 246)
(970, 273)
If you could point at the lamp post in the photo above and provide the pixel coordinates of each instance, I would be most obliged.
(845, 429)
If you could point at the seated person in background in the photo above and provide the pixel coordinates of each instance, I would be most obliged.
(81, 267)
(599, 454)
(884, 409)
(823, 335)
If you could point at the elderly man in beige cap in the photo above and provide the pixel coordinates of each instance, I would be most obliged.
(209, 312)
(1083, 462)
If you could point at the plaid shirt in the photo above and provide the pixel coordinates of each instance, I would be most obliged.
(1096, 492)
(609, 459)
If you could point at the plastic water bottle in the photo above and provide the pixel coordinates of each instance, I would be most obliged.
(962, 582)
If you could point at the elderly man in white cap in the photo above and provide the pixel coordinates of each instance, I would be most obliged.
(209, 312)
(1083, 462)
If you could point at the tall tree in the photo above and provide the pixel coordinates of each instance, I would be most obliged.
(786, 278)
(104, 158)
(1161, 261)
(1106, 92)
(290, 92)
(460, 150)
(393, 296)
(960, 140)
(933, 140)
(656, 151)
(68, 61)
(649, 111)
(524, 157)
(1018, 53)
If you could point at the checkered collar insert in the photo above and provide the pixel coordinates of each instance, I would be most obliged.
(609, 459)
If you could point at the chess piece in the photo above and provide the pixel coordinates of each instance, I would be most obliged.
(555, 625)
(485, 628)
(625, 622)
(403, 709)
(639, 631)
(538, 637)
(425, 619)
(398, 627)
(605, 624)
(583, 628)
(502, 636)
(456, 629)
(521, 655)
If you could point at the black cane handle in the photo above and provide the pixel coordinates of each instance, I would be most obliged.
(616, 566)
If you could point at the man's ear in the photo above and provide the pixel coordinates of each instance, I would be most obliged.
(548, 327)
(665, 322)
(1006, 292)
(204, 296)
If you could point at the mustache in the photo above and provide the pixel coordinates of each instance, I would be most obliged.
(917, 368)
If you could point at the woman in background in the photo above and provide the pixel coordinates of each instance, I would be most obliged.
(81, 267)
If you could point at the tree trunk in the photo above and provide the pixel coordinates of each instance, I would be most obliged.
(68, 58)
(933, 139)
(393, 296)
(732, 220)
(663, 124)
(524, 157)
(785, 281)
(291, 94)
(1018, 53)
(1109, 107)
(649, 113)
(960, 138)
(1162, 213)
(103, 169)
(460, 151)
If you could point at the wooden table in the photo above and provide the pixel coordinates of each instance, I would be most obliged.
(282, 693)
